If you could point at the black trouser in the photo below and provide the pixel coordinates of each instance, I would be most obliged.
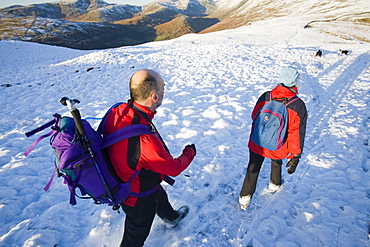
(254, 167)
(139, 219)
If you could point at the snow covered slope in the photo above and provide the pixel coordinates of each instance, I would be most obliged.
(212, 83)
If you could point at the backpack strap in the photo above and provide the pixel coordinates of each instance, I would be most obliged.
(291, 100)
(167, 178)
(130, 131)
(54, 122)
(141, 194)
(28, 151)
(46, 188)
(73, 193)
(124, 133)
(144, 115)
(101, 128)
(48, 124)
(146, 193)
(286, 101)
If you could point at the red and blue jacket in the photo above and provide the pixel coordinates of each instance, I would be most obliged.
(297, 118)
(145, 152)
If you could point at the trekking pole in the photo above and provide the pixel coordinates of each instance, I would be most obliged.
(71, 104)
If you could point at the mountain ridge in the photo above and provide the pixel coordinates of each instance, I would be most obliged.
(79, 23)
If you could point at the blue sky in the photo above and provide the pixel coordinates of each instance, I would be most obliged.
(6, 3)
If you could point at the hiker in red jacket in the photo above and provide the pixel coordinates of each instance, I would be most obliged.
(147, 153)
(291, 149)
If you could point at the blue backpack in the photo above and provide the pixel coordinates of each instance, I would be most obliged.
(82, 162)
(269, 127)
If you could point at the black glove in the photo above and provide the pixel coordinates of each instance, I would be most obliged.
(192, 146)
(292, 164)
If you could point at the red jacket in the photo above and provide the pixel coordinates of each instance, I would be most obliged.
(145, 153)
(297, 118)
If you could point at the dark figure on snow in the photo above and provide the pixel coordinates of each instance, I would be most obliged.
(147, 153)
(344, 52)
(291, 149)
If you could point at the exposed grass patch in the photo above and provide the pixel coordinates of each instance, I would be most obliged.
(363, 20)
(173, 29)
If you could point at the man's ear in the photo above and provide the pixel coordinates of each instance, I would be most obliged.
(154, 97)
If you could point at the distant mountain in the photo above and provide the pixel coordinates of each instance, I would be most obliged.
(236, 13)
(95, 24)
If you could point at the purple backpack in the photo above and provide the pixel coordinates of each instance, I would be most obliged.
(82, 162)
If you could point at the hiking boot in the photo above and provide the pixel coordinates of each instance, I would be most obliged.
(244, 201)
(273, 187)
(183, 211)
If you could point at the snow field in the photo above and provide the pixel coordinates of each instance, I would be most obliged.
(212, 83)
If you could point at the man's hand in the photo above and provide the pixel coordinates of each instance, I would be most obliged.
(292, 164)
(192, 146)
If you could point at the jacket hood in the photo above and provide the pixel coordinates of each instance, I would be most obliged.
(281, 92)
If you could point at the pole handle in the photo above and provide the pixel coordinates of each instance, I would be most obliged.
(71, 104)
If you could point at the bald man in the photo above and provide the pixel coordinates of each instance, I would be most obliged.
(148, 154)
